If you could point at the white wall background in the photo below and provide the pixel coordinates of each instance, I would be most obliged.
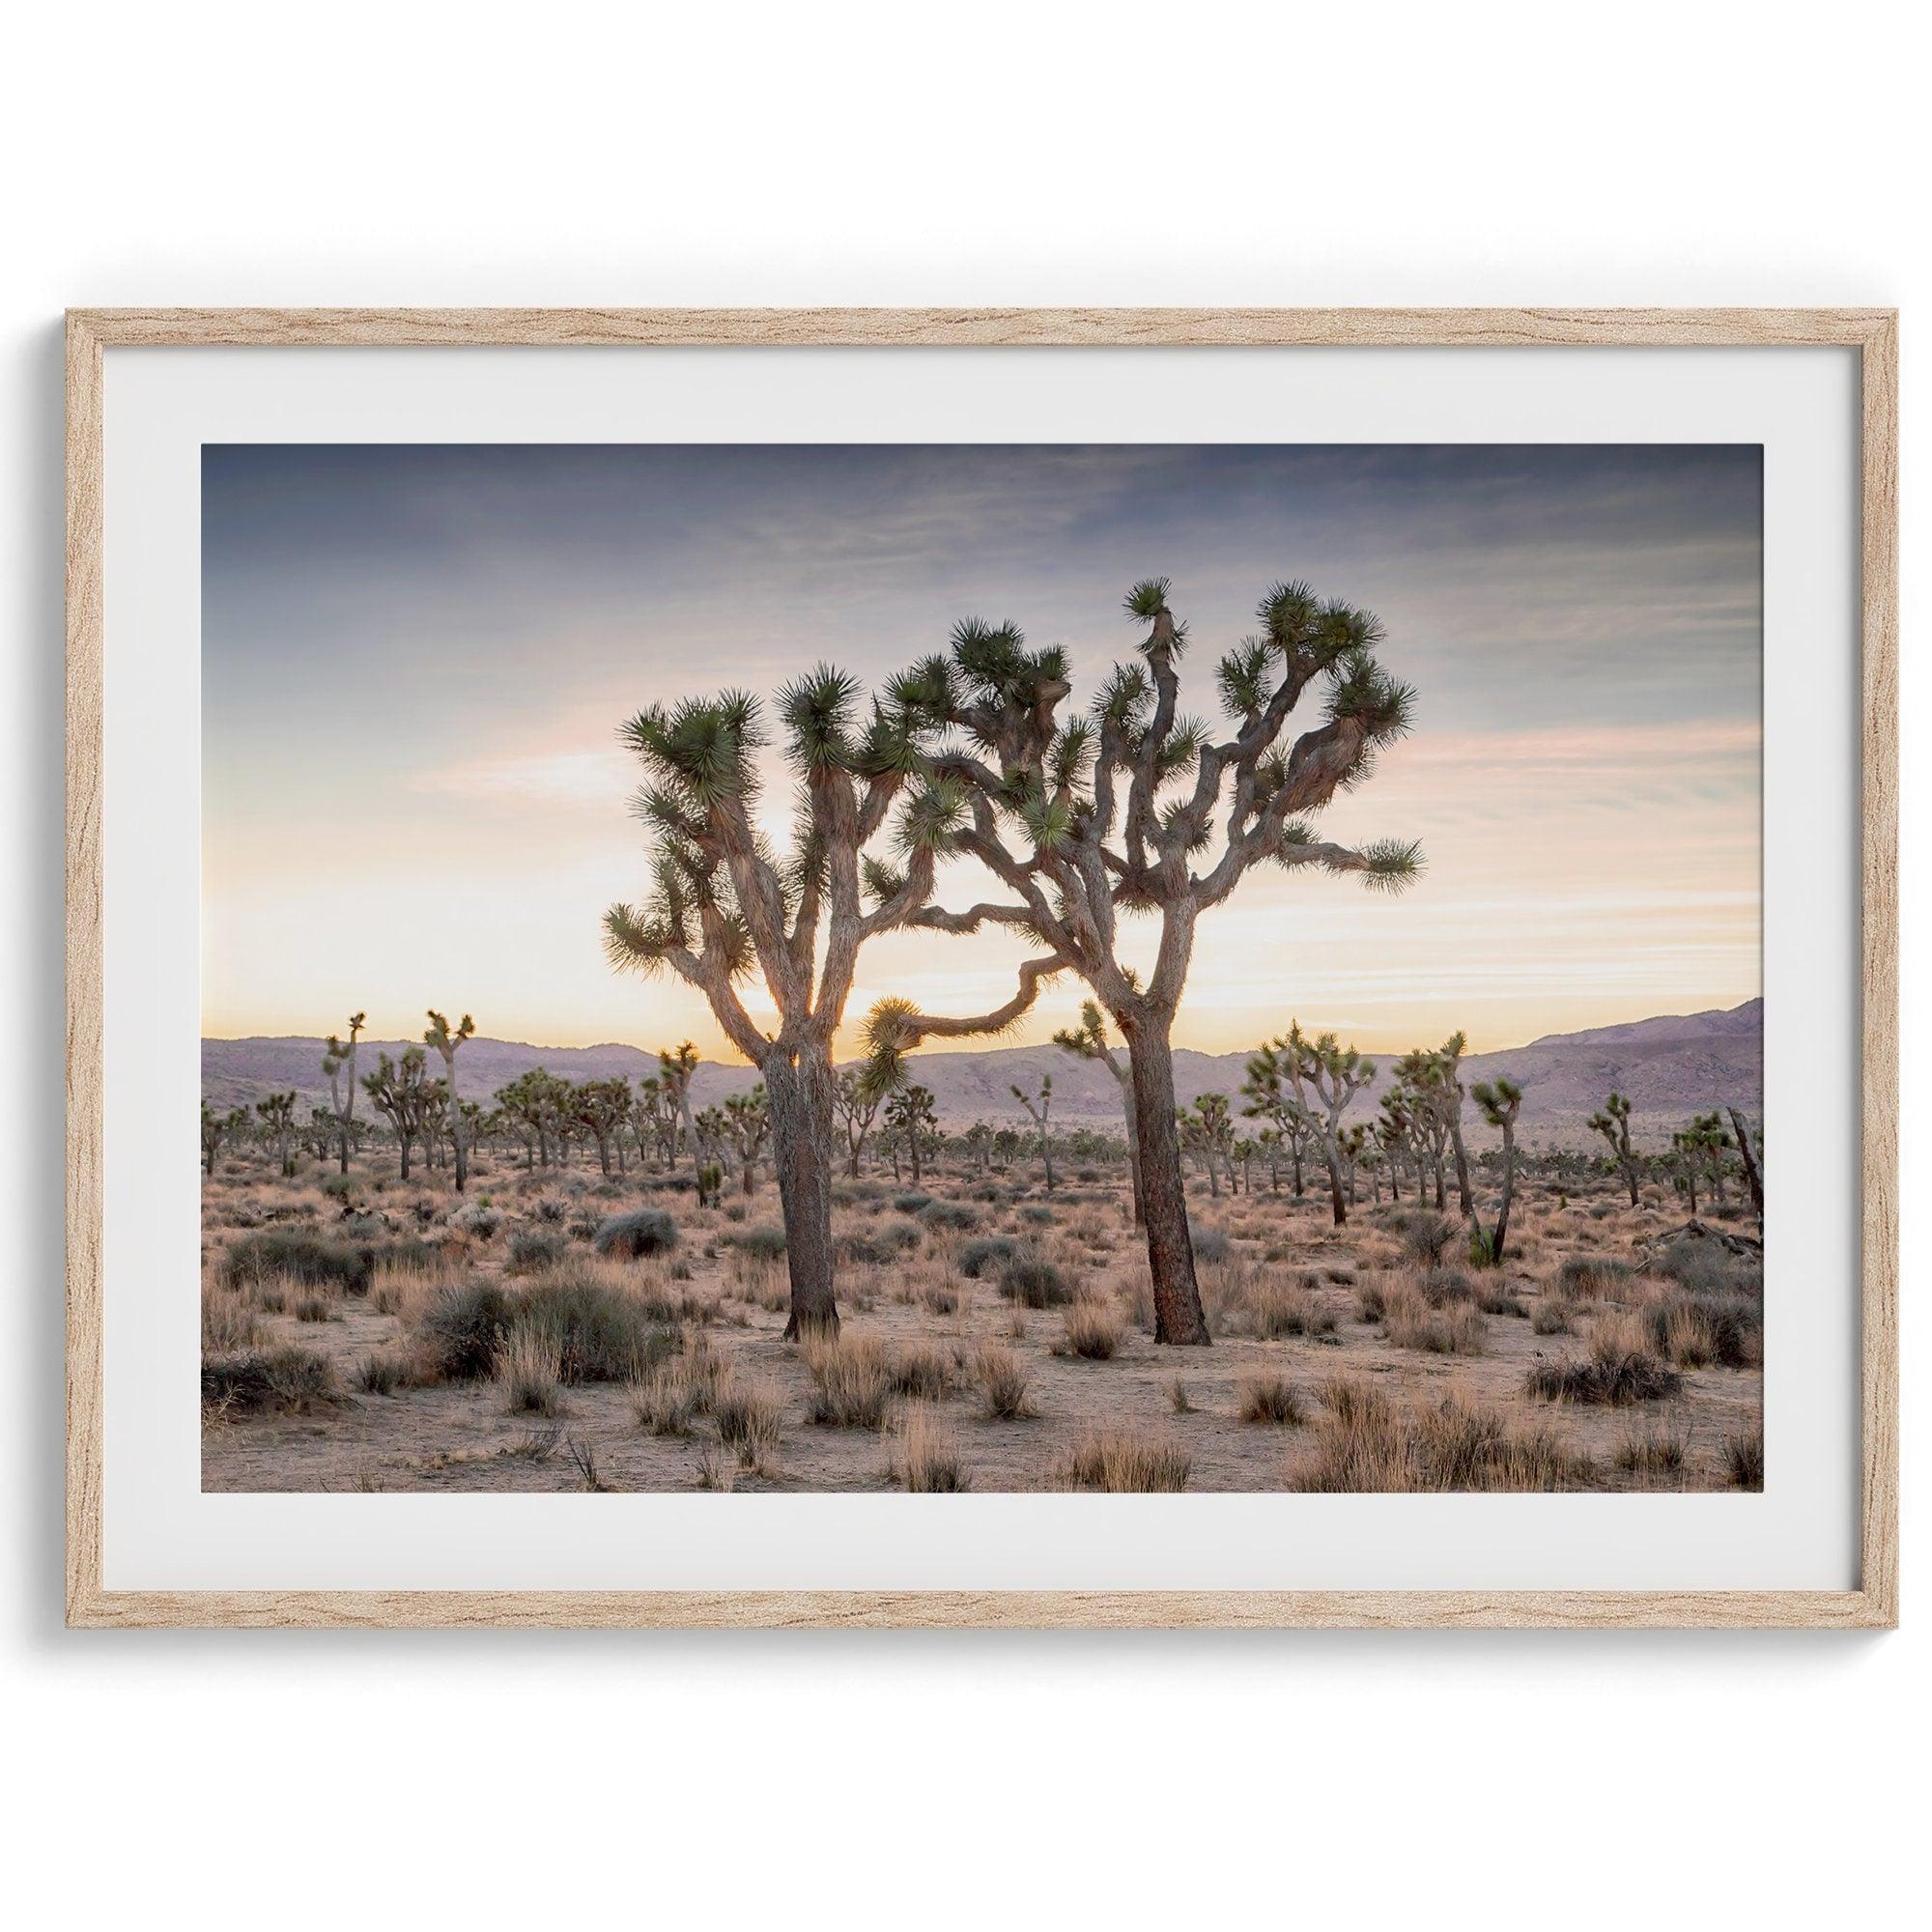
(844, 154)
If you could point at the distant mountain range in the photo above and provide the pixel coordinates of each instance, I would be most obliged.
(1669, 1068)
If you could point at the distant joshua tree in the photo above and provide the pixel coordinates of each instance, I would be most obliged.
(677, 1067)
(747, 1123)
(446, 1042)
(1039, 1110)
(1614, 1125)
(912, 1123)
(400, 1092)
(1207, 1127)
(1499, 1101)
(1324, 1077)
(857, 1100)
(724, 905)
(216, 1128)
(338, 1062)
(1270, 1097)
(277, 1115)
(1096, 830)
(1089, 1042)
(603, 1106)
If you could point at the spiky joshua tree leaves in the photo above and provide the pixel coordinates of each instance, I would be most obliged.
(1138, 809)
(871, 821)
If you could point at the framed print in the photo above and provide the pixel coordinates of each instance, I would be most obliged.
(1109, 968)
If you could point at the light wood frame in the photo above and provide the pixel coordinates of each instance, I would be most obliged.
(1872, 332)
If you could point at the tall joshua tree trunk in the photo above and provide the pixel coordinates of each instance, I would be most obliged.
(800, 1093)
(1177, 1313)
(1752, 1178)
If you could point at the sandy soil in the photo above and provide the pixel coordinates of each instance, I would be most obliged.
(460, 1435)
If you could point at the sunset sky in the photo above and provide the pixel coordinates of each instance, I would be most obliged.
(415, 659)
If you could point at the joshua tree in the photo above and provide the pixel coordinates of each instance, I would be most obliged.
(978, 1138)
(604, 1106)
(446, 1042)
(1614, 1125)
(1499, 1101)
(401, 1091)
(747, 1121)
(1322, 1071)
(338, 1062)
(676, 1069)
(1266, 1088)
(912, 1123)
(1354, 1147)
(857, 1098)
(1037, 1111)
(1210, 1127)
(1747, 1155)
(1449, 1056)
(1097, 831)
(1089, 1042)
(724, 905)
(656, 1121)
(216, 1128)
(1709, 1140)
(278, 1123)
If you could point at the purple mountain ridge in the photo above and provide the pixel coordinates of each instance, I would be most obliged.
(1669, 1068)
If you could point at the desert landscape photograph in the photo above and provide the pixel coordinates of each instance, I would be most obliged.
(980, 968)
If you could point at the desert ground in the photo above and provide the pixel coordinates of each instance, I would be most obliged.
(364, 1334)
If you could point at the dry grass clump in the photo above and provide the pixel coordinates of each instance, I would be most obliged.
(1367, 1443)
(1692, 1332)
(1653, 1450)
(1125, 1461)
(1271, 1398)
(1585, 1277)
(381, 1375)
(921, 1373)
(1618, 1371)
(1279, 1309)
(229, 1322)
(852, 1381)
(1091, 1332)
(1744, 1460)
(1409, 1322)
(1552, 1314)
(290, 1381)
(750, 1415)
(529, 1372)
(1003, 1380)
(664, 1401)
(925, 1458)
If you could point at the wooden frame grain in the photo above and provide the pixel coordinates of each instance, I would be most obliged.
(1873, 333)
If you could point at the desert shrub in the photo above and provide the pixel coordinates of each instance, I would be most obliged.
(228, 1323)
(987, 1253)
(1699, 1266)
(1366, 1443)
(1652, 1450)
(380, 1374)
(314, 1307)
(1030, 1282)
(921, 1374)
(1551, 1316)
(292, 1379)
(1127, 1461)
(461, 1330)
(1494, 1298)
(643, 1231)
(879, 1243)
(1441, 1286)
(296, 1255)
(1409, 1322)
(1002, 1376)
(529, 1371)
(1582, 1277)
(941, 1298)
(1425, 1236)
(476, 1218)
(852, 1381)
(1744, 1460)
(533, 1249)
(1270, 1398)
(339, 1186)
(600, 1333)
(748, 1415)
(1614, 1374)
(913, 1201)
(763, 1242)
(549, 1209)
(1372, 1301)
(1036, 1215)
(953, 1214)
(664, 1401)
(1279, 1309)
(1091, 1332)
(1692, 1333)
(1210, 1245)
(926, 1458)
